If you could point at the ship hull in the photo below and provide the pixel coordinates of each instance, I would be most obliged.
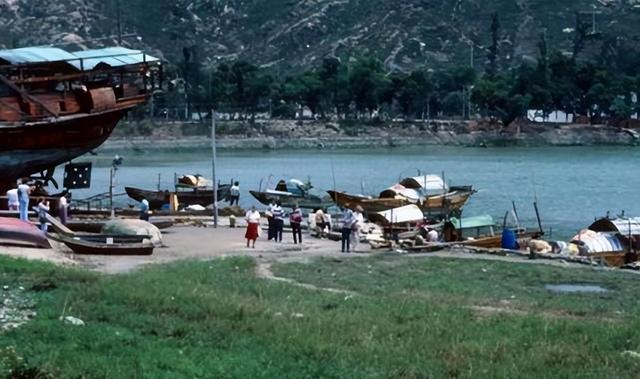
(29, 148)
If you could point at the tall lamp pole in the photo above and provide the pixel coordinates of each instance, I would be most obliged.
(213, 168)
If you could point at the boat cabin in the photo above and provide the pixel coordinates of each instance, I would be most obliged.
(45, 82)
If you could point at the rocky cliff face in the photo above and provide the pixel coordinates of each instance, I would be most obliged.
(290, 34)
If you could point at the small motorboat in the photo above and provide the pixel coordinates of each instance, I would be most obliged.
(294, 192)
(17, 232)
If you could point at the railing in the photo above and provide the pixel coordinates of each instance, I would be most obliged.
(94, 202)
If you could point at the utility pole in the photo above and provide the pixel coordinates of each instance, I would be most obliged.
(111, 174)
(119, 22)
(213, 168)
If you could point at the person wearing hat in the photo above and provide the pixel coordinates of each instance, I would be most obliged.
(356, 227)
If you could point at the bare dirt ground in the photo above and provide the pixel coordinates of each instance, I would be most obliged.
(205, 243)
(189, 242)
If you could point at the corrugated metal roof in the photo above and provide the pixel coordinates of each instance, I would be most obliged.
(624, 226)
(596, 242)
(35, 55)
(112, 56)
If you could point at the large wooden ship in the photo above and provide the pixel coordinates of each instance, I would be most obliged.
(57, 105)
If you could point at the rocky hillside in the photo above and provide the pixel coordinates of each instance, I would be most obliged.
(290, 34)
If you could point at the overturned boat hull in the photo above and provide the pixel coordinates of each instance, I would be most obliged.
(14, 231)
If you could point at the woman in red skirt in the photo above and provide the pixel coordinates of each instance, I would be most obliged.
(253, 226)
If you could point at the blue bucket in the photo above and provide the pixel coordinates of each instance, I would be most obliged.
(509, 239)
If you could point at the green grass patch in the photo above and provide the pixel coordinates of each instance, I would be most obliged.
(412, 318)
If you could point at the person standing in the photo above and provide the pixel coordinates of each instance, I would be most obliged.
(356, 227)
(23, 199)
(234, 194)
(12, 199)
(62, 209)
(320, 224)
(295, 219)
(278, 222)
(270, 221)
(43, 210)
(347, 222)
(144, 210)
(253, 226)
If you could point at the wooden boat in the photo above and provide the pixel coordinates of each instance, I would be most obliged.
(433, 196)
(56, 105)
(15, 231)
(105, 244)
(186, 195)
(291, 193)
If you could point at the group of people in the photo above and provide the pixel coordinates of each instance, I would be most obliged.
(351, 226)
(275, 219)
(18, 200)
(351, 223)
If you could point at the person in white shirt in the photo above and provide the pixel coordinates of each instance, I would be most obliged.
(253, 226)
(271, 223)
(62, 209)
(356, 227)
(278, 220)
(12, 199)
(234, 194)
(23, 199)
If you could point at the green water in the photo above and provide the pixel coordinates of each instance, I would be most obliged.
(572, 184)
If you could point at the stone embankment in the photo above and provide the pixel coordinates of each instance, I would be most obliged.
(279, 134)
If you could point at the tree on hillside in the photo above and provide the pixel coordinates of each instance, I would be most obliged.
(492, 56)
(367, 81)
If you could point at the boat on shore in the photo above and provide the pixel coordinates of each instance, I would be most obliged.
(187, 191)
(104, 244)
(56, 105)
(18, 232)
(293, 193)
(95, 226)
(429, 192)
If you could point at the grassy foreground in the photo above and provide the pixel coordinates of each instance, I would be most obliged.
(409, 318)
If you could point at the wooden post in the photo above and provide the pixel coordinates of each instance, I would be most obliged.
(213, 168)
(535, 206)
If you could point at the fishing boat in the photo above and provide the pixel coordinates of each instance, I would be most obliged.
(293, 192)
(103, 244)
(56, 105)
(429, 192)
(188, 192)
(15, 231)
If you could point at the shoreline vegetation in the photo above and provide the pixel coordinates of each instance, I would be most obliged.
(311, 134)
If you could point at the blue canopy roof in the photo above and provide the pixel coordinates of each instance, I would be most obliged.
(111, 56)
(85, 60)
(35, 55)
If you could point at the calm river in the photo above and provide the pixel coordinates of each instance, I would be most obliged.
(572, 184)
